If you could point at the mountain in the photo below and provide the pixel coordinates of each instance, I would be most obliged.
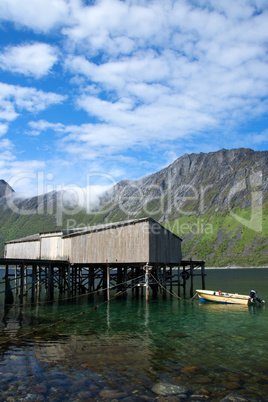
(217, 203)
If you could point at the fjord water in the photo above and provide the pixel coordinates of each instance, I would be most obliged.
(120, 350)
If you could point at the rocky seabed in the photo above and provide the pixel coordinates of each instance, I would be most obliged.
(93, 387)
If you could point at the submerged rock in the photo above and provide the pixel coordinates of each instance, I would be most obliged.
(165, 389)
(190, 369)
(235, 398)
(111, 394)
(84, 395)
(177, 335)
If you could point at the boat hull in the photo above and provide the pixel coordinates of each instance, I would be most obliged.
(223, 297)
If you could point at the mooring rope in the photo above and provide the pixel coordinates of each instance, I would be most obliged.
(76, 296)
(193, 297)
(168, 291)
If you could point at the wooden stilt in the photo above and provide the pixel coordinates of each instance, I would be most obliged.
(184, 281)
(108, 282)
(60, 279)
(39, 281)
(34, 277)
(46, 280)
(125, 281)
(147, 282)
(119, 277)
(179, 280)
(21, 282)
(74, 279)
(9, 298)
(164, 281)
(104, 281)
(191, 278)
(26, 280)
(16, 279)
(203, 275)
(50, 282)
(90, 283)
(69, 279)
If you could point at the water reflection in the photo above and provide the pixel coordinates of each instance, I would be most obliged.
(255, 310)
(223, 308)
(12, 321)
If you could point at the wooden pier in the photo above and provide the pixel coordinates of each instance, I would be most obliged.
(138, 254)
(58, 279)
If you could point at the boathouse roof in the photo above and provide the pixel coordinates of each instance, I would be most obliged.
(114, 225)
(86, 229)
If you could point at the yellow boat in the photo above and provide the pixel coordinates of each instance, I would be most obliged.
(224, 297)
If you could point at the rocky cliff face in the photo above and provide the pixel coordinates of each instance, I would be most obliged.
(194, 184)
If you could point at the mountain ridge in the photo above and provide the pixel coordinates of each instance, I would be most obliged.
(196, 173)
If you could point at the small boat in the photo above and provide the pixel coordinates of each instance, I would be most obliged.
(224, 297)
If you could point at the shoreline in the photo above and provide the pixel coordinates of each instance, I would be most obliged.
(2, 268)
(233, 267)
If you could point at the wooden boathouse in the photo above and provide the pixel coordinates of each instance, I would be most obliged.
(108, 257)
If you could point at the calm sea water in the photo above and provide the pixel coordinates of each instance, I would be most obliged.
(119, 351)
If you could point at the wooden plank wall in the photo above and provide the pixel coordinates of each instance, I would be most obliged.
(134, 242)
(122, 244)
(27, 249)
(165, 247)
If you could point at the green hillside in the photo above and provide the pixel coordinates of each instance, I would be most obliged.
(221, 241)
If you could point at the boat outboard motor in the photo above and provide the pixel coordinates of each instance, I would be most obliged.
(254, 296)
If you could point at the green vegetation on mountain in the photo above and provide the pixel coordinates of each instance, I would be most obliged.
(221, 241)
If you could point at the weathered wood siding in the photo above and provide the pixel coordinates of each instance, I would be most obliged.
(165, 247)
(122, 244)
(27, 250)
(51, 246)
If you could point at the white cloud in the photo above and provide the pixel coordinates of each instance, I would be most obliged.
(86, 198)
(202, 72)
(6, 144)
(259, 138)
(42, 125)
(32, 59)
(7, 109)
(19, 98)
(142, 67)
(41, 15)
(3, 129)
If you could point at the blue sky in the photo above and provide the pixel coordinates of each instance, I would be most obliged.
(93, 92)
